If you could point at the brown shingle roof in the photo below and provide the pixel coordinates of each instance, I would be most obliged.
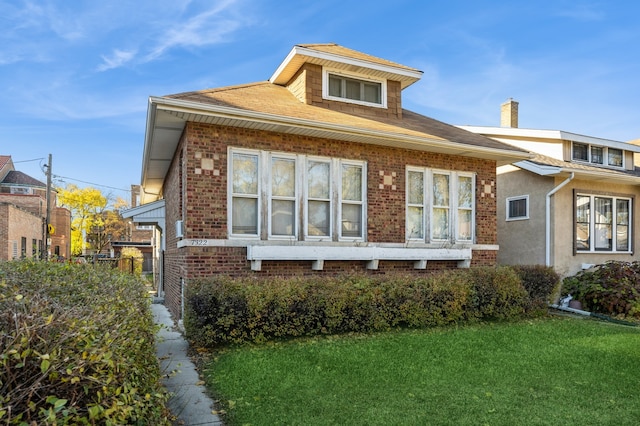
(18, 178)
(265, 97)
(336, 49)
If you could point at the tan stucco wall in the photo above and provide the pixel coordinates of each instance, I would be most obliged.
(522, 242)
(564, 261)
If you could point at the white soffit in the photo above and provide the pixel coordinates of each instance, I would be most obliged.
(300, 55)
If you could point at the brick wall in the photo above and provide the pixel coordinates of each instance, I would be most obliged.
(15, 224)
(306, 85)
(200, 166)
(33, 203)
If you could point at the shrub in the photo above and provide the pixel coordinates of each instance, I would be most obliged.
(541, 282)
(612, 288)
(221, 310)
(497, 293)
(76, 347)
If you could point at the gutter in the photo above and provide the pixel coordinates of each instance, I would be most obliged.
(548, 218)
(188, 107)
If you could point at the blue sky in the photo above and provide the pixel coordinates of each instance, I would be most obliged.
(75, 76)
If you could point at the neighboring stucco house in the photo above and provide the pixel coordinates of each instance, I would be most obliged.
(318, 170)
(23, 212)
(571, 206)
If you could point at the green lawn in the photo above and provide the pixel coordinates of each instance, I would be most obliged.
(556, 371)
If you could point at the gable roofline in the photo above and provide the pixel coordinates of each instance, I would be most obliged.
(167, 117)
(337, 56)
(558, 135)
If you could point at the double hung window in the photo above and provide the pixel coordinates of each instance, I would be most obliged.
(440, 205)
(602, 223)
(283, 196)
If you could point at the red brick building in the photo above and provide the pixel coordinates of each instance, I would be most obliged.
(23, 212)
(317, 171)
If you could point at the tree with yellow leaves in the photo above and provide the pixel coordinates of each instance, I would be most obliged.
(86, 206)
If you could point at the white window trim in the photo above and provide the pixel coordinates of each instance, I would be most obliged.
(230, 153)
(592, 246)
(332, 199)
(269, 195)
(516, 198)
(301, 197)
(605, 155)
(341, 73)
(341, 201)
(427, 206)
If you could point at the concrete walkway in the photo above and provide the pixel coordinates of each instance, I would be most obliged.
(189, 402)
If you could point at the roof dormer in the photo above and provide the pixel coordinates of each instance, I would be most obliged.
(330, 76)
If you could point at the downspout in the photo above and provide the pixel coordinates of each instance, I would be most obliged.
(548, 218)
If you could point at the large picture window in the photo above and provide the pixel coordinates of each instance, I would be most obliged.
(310, 198)
(440, 205)
(603, 223)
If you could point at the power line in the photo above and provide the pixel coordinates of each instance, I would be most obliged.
(28, 161)
(90, 183)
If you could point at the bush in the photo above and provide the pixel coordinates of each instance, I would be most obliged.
(612, 288)
(221, 310)
(541, 282)
(497, 293)
(76, 347)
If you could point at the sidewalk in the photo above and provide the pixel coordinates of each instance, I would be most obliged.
(189, 401)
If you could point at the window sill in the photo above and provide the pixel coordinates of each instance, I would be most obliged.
(372, 255)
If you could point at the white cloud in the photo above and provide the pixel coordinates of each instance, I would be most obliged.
(117, 59)
(206, 28)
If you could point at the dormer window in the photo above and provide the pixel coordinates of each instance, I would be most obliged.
(348, 88)
(596, 154)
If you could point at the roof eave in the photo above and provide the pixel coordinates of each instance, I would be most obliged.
(183, 111)
(288, 67)
(593, 175)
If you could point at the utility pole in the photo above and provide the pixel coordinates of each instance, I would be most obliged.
(48, 218)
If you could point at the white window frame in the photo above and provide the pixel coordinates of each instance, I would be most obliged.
(427, 206)
(353, 76)
(270, 197)
(606, 161)
(20, 190)
(510, 218)
(341, 201)
(614, 224)
(230, 193)
(301, 199)
(331, 200)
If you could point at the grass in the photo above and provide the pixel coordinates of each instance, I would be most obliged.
(542, 372)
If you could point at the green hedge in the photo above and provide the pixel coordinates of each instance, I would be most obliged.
(76, 347)
(223, 310)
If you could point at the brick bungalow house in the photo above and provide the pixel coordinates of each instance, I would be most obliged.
(318, 170)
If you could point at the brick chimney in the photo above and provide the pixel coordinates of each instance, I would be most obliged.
(509, 114)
